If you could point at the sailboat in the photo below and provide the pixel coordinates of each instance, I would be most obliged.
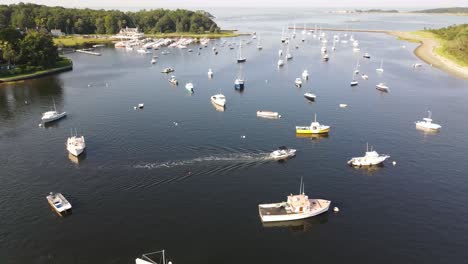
(304, 30)
(294, 31)
(282, 36)
(380, 70)
(50, 116)
(288, 53)
(239, 82)
(354, 82)
(75, 144)
(240, 59)
(259, 44)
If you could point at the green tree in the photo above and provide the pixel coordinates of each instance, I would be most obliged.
(100, 27)
(38, 49)
(9, 54)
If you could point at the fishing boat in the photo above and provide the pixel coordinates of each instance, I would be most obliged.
(382, 87)
(268, 114)
(366, 55)
(298, 82)
(240, 59)
(427, 124)
(305, 75)
(371, 158)
(280, 62)
(283, 153)
(173, 80)
(314, 128)
(380, 70)
(210, 73)
(219, 99)
(365, 76)
(51, 116)
(310, 96)
(167, 70)
(59, 203)
(296, 207)
(75, 144)
(148, 258)
(189, 87)
(325, 57)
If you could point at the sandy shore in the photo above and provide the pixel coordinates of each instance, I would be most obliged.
(426, 52)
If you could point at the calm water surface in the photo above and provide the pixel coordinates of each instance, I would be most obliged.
(193, 188)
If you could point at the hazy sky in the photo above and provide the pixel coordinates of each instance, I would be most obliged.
(139, 4)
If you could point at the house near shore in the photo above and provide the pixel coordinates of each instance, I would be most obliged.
(57, 33)
(129, 34)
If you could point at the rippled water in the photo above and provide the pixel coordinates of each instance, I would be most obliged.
(183, 176)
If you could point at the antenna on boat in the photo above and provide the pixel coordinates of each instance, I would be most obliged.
(367, 147)
(315, 118)
(55, 109)
(300, 187)
(430, 114)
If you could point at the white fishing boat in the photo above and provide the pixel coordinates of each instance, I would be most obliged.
(298, 82)
(365, 76)
(314, 128)
(75, 144)
(240, 59)
(219, 99)
(305, 75)
(148, 258)
(283, 153)
(189, 87)
(288, 53)
(382, 87)
(59, 203)
(296, 207)
(173, 80)
(380, 70)
(427, 124)
(371, 158)
(310, 96)
(210, 73)
(51, 116)
(167, 70)
(268, 114)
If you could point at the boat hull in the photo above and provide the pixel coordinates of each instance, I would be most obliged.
(307, 130)
(55, 118)
(273, 212)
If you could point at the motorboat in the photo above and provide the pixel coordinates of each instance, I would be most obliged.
(323, 49)
(366, 55)
(148, 258)
(314, 128)
(380, 70)
(354, 82)
(371, 158)
(280, 63)
(210, 73)
(153, 61)
(427, 124)
(59, 203)
(51, 116)
(240, 59)
(417, 65)
(268, 114)
(167, 70)
(141, 105)
(76, 145)
(298, 82)
(365, 76)
(283, 153)
(296, 207)
(189, 87)
(382, 87)
(325, 57)
(219, 99)
(173, 80)
(239, 84)
(310, 96)
(305, 75)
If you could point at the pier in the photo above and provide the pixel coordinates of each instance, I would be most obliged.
(88, 51)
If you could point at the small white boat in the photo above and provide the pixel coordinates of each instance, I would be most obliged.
(259, 44)
(268, 114)
(427, 124)
(128, 47)
(189, 87)
(382, 87)
(153, 61)
(210, 73)
(305, 75)
(280, 63)
(355, 43)
(167, 70)
(371, 158)
(173, 80)
(354, 82)
(366, 55)
(323, 49)
(325, 57)
(76, 145)
(343, 105)
(141, 105)
(417, 65)
(219, 99)
(296, 207)
(365, 77)
(51, 116)
(280, 53)
(310, 96)
(147, 259)
(288, 53)
(298, 82)
(59, 203)
(380, 70)
(283, 153)
(165, 52)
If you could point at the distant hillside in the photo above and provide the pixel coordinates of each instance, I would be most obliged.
(376, 11)
(453, 10)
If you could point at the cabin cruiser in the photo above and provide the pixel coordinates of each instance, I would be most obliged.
(219, 99)
(189, 86)
(314, 128)
(167, 70)
(296, 207)
(382, 87)
(59, 203)
(282, 153)
(239, 84)
(173, 80)
(210, 73)
(51, 116)
(305, 75)
(298, 82)
(310, 96)
(268, 114)
(371, 158)
(76, 145)
(427, 124)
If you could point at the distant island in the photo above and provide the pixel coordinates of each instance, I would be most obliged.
(448, 10)
(376, 11)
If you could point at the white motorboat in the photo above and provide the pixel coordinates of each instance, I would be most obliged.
(283, 153)
(365, 76)
(189, 87)
(219, 99)
(173, 80)
(240, 59)
(141, 105)
(310, 96)
(417, 65)
(305, 75)
(153, 61)
(280, 63)
(51, 116)
(167, 70)
(288, 53)
(298, 82)
(380, 70)
(382, 87)
(148, 259)
(210, 73)
(366, 55)
(371, 158)
(76, 145)
(296, 207)
(427, 124)
(268, 114)
(59, 203)
(325, 57)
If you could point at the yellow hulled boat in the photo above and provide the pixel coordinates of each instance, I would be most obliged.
(314, 128)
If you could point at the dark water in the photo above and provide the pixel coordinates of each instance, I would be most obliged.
(193, 188)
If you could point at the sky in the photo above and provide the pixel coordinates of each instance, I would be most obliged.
(199, 4)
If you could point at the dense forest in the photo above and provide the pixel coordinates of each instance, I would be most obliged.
(456, 38)
(454, 10)
(89, 21)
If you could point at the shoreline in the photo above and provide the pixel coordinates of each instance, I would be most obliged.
(36, 74)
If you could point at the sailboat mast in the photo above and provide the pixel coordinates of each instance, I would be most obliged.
(300, 187)
(55, 109)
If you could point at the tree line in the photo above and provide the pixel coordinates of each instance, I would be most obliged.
(90, 21)
(456, 40)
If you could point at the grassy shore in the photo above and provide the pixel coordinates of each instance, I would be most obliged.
(64, 64)
(76, 40)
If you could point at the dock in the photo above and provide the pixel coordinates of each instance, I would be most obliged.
(87, 51)
(344, 30)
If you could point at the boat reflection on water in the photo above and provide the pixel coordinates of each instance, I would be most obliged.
(218, 107)
(369, 170)
(312, 136)
(303, 225)
(77, 160)
(426, 132)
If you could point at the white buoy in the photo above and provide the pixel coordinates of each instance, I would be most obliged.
(40, 125)
(242, 136)
(135, 107)
(394, 163)
(175, 123)
(336, 209)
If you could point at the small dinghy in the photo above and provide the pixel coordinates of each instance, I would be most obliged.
(268, 114)
(189, 87)
(298, 82)
(59, 203)
(282, 153)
